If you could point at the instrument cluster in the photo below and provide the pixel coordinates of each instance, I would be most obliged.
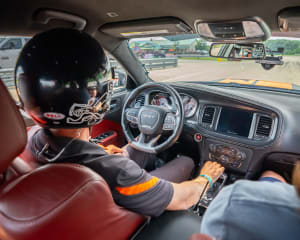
(190, 104)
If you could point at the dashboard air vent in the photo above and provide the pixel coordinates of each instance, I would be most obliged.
(208, 115)
(140, 101)
(264, 126)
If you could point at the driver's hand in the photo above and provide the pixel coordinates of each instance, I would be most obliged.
(213, 170)
(112, 149)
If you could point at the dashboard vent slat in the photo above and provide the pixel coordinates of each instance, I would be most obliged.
(208, 115)
(140, 101)
(264, 126)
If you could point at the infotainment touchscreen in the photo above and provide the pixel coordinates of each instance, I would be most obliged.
(235, 122)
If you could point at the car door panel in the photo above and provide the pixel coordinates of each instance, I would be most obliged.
(112, 122)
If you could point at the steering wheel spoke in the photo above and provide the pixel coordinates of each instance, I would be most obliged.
(147, 97)
(154, 141)
(170, 122)
(148, 141)
(132, 115)
(142, 139)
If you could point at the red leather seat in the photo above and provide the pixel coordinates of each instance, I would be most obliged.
(57, 201)
(25, 162)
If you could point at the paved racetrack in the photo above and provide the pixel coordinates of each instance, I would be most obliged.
(206, 70)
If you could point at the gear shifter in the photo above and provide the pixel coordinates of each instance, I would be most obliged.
(210, 194)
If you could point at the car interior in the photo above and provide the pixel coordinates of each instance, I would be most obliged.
(247, 128)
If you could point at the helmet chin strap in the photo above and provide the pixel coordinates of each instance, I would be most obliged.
(43, 158)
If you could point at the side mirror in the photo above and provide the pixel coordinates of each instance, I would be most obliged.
(249, 51)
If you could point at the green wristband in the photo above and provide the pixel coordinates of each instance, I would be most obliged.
(208, 178)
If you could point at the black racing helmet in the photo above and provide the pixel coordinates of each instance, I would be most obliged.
(53, 74)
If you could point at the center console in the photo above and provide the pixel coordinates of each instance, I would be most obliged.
(233, 132)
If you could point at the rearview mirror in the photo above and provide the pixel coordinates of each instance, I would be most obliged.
(249, 51)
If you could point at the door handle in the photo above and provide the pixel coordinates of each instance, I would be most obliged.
(4, 58)
(113, 106)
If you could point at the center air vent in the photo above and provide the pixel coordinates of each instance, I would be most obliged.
(264, 126)
(140, 101)
(208, 115)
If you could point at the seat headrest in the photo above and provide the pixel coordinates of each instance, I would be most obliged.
(13, 135)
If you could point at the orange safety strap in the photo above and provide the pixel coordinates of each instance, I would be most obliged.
(138, 188)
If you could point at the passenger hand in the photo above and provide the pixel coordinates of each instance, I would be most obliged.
(213, 170)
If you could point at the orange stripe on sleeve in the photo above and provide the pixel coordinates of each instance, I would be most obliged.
(138, 188)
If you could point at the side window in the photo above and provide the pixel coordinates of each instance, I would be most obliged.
(120, 75)
(13, 43)
(7, 66)
(8, 61)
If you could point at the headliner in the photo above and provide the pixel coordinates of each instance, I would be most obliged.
(16, 15)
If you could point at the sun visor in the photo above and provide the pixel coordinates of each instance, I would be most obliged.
(146, 28)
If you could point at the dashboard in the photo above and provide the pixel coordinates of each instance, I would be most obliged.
(240, 128)
(237, 122)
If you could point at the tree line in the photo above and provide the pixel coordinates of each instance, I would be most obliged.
(291, 47)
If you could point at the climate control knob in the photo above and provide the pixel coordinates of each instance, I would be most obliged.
(224, 159)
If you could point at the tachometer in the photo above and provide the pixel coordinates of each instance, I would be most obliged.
(190, 106)
(160, 100)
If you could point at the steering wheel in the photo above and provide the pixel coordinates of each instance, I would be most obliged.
(152, 121)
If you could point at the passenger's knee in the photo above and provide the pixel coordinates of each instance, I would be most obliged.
(273, 175)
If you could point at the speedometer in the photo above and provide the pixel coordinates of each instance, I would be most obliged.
(190, 106)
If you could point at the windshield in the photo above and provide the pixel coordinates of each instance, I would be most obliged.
(186, 58)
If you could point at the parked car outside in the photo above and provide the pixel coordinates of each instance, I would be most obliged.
(9, 50)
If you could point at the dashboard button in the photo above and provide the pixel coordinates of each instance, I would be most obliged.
(241, 156)
(198, 137)
(224, 159)
(212, 148)
(231, 152)
(237, 164)
(219, 149)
